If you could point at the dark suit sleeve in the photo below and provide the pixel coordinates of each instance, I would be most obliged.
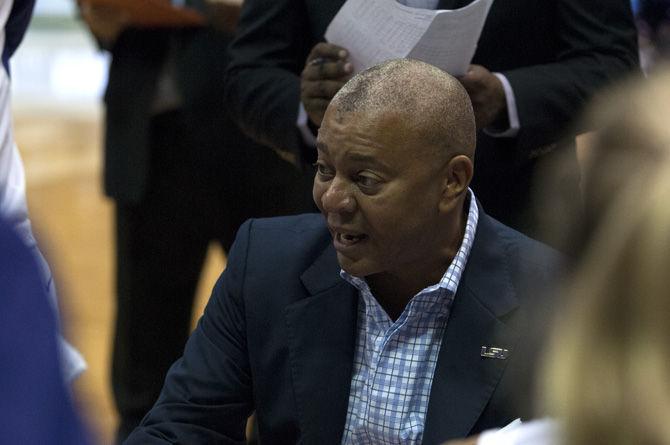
(207, 396)
(597, 43)
(272, 42)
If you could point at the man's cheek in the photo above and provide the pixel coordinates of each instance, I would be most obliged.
(317, 193)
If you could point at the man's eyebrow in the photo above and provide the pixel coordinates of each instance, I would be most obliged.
(361, 157)
(355, 157)
(320, 146)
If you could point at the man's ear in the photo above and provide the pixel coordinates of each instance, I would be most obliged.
(458, 174)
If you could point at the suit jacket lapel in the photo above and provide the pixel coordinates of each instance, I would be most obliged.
(322, 333)
(464, 381)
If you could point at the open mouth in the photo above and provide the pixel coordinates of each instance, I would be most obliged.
(348, 239)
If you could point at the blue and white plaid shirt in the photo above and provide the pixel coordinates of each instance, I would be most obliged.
(394, 362)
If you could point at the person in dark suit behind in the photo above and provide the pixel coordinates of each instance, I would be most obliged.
(395, 316)
(181, 175)
(549, 58)
(35, 406)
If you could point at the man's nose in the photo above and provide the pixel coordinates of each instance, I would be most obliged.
(338, 197)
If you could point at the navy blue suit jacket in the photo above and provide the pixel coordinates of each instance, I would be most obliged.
(279, 331)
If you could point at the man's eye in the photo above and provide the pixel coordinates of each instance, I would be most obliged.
(322, 170)
(367, 181)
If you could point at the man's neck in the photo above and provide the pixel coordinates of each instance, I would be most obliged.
(394, 291)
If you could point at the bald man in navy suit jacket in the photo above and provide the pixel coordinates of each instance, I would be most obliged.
(402, 247)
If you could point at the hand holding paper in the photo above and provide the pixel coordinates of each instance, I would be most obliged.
(486, 93)
(326, 70)
(377, 30)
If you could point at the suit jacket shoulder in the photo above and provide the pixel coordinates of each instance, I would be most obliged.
(282, 248)
(528, 254)
(506, 276)
(263, 345)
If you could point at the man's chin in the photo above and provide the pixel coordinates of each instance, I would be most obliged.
(359, 268)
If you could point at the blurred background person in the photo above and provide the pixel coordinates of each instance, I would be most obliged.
(35, 406)
(606, 370)
(15, 16)
(181, 175)
(608, 366)
(608, 376)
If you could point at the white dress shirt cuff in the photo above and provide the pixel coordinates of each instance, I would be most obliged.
(512, 113)
(307, 136)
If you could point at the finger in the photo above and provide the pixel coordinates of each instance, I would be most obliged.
(316, 108)
(326, 70)
(469, 86)
(476, 71)
(473, 83)
(470, 78)
(325, 88)
(327, 51)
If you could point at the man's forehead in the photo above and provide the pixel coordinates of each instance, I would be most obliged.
(386, 147)
(371, 120)
(338, 113)
(334, 114)
(387, 129)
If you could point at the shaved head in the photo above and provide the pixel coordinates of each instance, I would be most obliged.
(433, 105)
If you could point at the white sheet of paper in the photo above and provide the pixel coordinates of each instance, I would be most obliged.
(377, 30)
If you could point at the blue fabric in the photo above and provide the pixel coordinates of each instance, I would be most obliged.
(35, 406)
(16, 27)
(635, 4)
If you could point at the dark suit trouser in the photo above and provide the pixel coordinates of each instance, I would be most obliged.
(194, 197)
